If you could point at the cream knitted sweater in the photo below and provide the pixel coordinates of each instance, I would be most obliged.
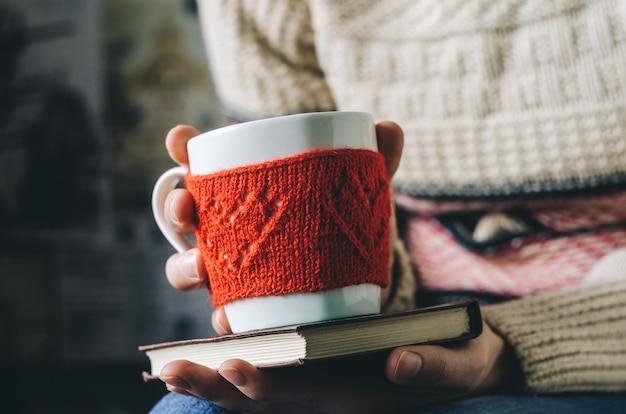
(521, 98)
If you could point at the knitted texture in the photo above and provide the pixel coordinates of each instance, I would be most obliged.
(276, 41)
(535, 247)
(586, 353)
(311, 222)
(496, 99)
(501, 102)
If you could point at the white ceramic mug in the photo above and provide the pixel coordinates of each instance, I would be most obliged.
(266, 140)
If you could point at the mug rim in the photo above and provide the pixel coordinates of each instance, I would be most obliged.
(280, 118)
(248, 143)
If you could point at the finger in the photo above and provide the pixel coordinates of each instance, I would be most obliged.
(220, 321)
(272, 388)
(185, 271)
(176, 142)
(187, 378)
(458, 370)
(180, 211)
(390, 142)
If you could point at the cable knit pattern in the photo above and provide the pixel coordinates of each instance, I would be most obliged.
(480, 90)
(311, 222)
(274, 40)
(500, 101)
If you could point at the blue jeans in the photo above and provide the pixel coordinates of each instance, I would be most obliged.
(500, 404)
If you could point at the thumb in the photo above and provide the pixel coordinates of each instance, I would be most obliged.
(176, 142)
(390, 139)
(220, 321)
(435, 367)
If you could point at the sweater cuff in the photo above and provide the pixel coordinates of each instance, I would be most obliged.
(572, 340)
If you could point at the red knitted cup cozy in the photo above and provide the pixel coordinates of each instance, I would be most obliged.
(311, 222)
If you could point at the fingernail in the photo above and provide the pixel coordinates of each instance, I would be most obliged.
(176, 382)
(217, 324)
(408, 366)
(234, 376)
(170, 214)
(189, 266)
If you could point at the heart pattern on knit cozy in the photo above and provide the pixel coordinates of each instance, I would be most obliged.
(316, 221)
(353, 193)
(240, 226)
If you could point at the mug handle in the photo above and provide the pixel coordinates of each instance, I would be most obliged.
(166, 183)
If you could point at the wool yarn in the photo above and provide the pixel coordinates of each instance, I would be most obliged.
(307, 223)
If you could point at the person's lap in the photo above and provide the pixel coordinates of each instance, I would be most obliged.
(508, 404)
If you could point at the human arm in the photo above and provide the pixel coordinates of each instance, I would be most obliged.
(569, 340)
(573, 340)
(257, 81)
(473, 366)
(263, 58)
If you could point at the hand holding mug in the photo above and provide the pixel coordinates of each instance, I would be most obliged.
(185, 270)
(481, 364)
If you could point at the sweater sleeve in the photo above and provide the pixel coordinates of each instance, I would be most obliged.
(572, 340)
(263, 59)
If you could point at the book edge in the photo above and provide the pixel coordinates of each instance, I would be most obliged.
(471, 306)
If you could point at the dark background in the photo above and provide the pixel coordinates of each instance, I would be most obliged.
(88, 91)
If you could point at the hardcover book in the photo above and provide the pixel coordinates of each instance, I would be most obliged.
(305, 343)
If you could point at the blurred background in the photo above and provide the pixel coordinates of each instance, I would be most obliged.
(88, 91)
